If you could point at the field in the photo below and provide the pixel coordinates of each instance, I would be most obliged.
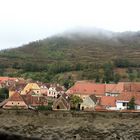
(69, 125)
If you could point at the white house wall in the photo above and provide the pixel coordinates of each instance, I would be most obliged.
(119, 105)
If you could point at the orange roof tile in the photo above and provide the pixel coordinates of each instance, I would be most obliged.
(7, 78)
(87, 88)
(110, 87)
(108, 101)
(132, 86)
(126, 96)
(119, 88)
(16, 97)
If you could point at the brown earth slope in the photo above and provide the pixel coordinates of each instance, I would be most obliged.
(69, 125)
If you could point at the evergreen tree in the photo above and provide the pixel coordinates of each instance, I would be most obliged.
(131, 104)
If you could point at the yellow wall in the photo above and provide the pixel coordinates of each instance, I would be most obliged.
(11, 93)
(31, 86)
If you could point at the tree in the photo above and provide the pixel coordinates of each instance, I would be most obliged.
(132, 77)
(75, 101)
(68, 82)
(131, 104)
(4, 93)
(116, 78)
(108, 72)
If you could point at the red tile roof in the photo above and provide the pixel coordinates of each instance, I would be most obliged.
(132, 86)
(35, 100)
(87, 88)
(110, 87)
(16, 97)
(108, 101)
(115, 88)
(7, 78)
(126, 96)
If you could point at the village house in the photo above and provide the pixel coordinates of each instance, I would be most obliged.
(16, 88)
(6, 82)
(114, 89)
(31, 86)
(62, 103)
(34, 100)
(44, 89)
(54, 91)
(123, 99)
(15, 102)
(84, 89)
(89, 103)
(108, 102)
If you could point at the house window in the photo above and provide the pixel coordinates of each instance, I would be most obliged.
(124, 104)
(18, 103)
(12, 102)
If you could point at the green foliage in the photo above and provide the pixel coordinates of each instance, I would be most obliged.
(44, 108)
(44, 60)
(75, 101)
(48, 107)
(4, 94)
(68, 82)
(122, 63)
(117, 78)
(131, 104)
(108, 72)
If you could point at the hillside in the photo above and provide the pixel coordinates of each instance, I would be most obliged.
(81, 48)
(99, 46)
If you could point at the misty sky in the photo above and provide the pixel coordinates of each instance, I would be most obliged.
(22, 21)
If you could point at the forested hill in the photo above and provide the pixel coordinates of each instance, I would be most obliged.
(92, 47)
(75, 51)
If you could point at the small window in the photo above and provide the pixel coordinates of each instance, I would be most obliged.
(124, 104)
(18, 103)
(12, 102)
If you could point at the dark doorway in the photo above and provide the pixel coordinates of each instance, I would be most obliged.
(78, 107)
(58, 107)
(82, 108)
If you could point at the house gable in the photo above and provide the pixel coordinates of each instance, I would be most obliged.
(15, 101)
(61, 103)
(88, 104)
(31, 86)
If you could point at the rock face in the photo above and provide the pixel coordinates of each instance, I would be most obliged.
(68, 125)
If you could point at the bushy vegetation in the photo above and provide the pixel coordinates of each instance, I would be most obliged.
(91, 57)
(4, 94)
(75, 101)
(48, 107)
(131, 104)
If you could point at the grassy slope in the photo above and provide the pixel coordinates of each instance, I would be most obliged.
(77, 48)
(74, 47)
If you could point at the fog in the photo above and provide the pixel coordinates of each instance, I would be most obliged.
(28, 20)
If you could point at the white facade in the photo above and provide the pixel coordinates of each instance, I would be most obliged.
(87, 104)
(52, 92)
(120, 104)
(111, 94)
(137, 107)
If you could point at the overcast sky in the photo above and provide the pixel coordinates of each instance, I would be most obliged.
(22, 21)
